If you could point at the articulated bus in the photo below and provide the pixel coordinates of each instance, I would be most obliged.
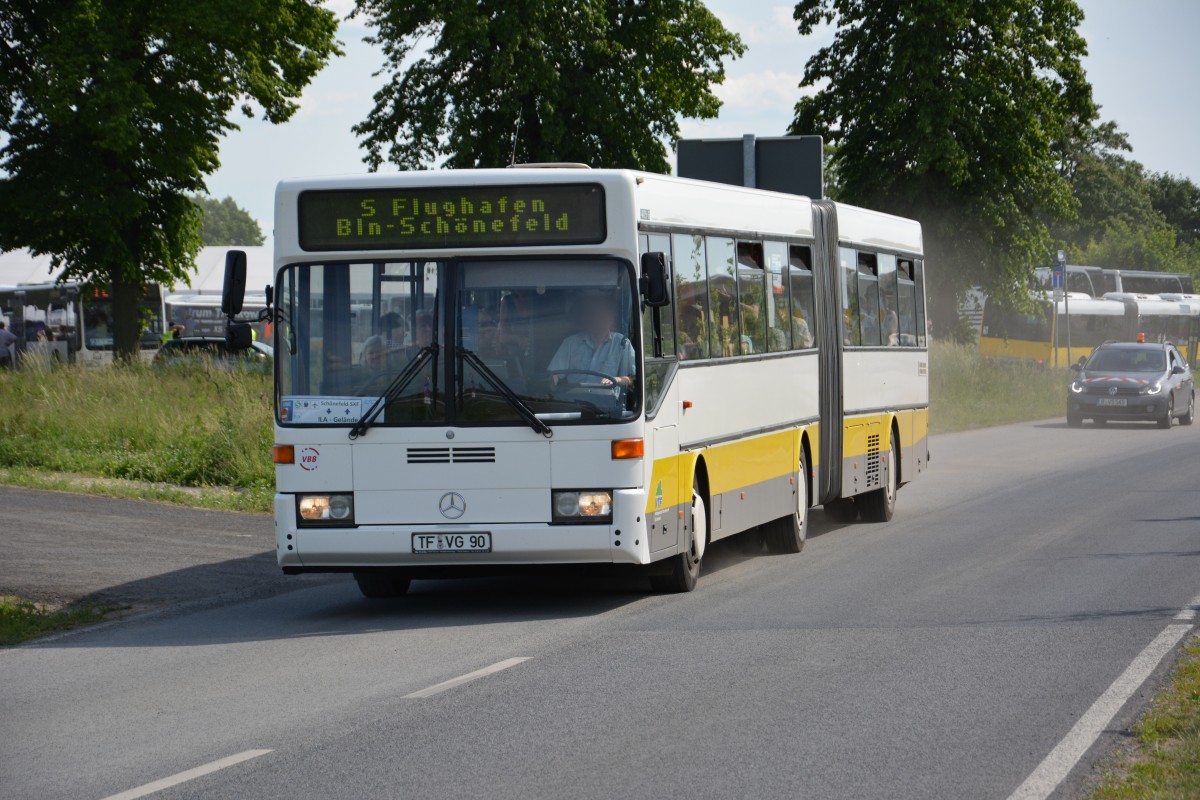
(70, 322)
(486, 369)
(200, 314)
(1029, 336)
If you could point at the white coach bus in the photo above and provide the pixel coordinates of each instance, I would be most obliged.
(486, 368)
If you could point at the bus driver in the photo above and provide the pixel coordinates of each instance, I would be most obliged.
(596, 348)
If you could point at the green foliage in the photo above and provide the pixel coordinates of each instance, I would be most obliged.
(113, 111)
(947, 112)
(21, 619)
(224, 222)
(596, 81)
(966, 391)
(184, 428)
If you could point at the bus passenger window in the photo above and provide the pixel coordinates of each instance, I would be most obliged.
(722, 298)
(848, 265)
(691, 295)
(889, 333)
(906, 289)
(778, 310)
(922, 328)
(800, 279)
(868, 298)
(751, 280)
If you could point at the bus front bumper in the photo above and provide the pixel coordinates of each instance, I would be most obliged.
(623, 541)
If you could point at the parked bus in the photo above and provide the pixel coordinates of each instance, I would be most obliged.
(489, 368)
(1030, 335)
(200, 314)
(1134, 281)
(71, 321)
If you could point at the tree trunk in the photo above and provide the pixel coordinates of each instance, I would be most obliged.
(126, 316)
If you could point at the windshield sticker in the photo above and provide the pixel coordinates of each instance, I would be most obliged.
(324, 410)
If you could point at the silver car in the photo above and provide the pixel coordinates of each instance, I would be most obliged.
(1132, 381)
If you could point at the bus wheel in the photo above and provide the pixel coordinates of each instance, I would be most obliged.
(1190, 416)
(1166, 419)
(787, 534)
(381, 585)
(879, 505)
(685, 567)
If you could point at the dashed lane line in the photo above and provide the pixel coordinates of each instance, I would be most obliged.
(461, 679)
(188, 775)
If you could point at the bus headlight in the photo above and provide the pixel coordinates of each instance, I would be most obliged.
(1077, 387)
(581, 505)
(325, 509)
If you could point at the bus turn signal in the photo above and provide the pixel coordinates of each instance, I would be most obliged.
(628, 448)
(283, 454)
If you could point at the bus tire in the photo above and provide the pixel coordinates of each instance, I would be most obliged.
(685, 567)
(880, 504)
(1167, 418)
(787, 534)
(381, 585)
(1190, 416)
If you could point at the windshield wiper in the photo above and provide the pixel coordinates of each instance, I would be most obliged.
(524, 411)
(393, 389)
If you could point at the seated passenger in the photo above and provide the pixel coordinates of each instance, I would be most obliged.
(597, 348)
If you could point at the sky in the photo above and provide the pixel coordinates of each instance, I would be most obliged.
(1142, 62)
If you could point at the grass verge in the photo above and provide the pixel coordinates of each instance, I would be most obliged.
(1165, 761)
(198, 437)
(966, 392)
(22, 620)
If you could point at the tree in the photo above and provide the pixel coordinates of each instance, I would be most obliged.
(597, 81)
(113, 111)
(947, 112)
(1178, 200)
(224, 222)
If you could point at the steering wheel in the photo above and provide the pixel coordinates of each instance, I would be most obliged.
(612, 379)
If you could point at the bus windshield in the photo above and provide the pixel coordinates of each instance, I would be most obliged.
(457, 342)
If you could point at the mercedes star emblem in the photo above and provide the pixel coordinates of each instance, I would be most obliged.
(452, 505)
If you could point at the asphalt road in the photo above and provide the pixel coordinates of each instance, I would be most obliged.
(942, 655)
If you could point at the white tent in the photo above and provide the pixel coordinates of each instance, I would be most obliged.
(20, 266)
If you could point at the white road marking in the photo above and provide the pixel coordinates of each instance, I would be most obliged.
(1189, 611)
(1063, 758)
(191, 774)
(461, 679)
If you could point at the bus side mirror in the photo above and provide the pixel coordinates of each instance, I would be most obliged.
(233, 293)
(655, 283)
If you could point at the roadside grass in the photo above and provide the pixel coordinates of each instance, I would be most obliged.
(197, 437)
(1164, 764)
(21, 619)
(966, 392)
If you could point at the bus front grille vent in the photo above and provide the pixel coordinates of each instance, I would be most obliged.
(451, 455)
(873, 461)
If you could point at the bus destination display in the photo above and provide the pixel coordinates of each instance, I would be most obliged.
(451, 217)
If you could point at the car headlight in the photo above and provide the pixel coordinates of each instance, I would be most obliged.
(581, 505)
(1076, 387)
(325, 509)
(1155, 389)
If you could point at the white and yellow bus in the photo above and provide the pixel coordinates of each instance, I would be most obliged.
(487, 368)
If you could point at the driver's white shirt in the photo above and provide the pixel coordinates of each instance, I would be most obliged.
(614, 356)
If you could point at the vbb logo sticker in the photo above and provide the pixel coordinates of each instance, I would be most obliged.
(310, 459)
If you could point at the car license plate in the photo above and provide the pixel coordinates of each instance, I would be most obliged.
(452, 543)
(1112, 401)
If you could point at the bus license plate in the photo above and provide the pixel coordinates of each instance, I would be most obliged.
(452, 543)
(1112, 401)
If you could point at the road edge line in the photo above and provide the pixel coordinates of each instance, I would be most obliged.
(1055, 767)
(437, 688)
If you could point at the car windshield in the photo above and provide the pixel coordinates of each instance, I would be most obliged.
(459, 342)
(1122, 359)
